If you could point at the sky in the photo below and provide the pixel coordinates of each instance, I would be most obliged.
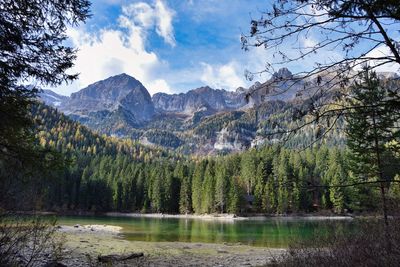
(171, 46)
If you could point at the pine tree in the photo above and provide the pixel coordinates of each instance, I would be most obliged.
(221, 185)
(235, 195)
(208, 193)
(156, 193)
(197, 186)
(32, 48)
(281, 171)
(270, 198)
(248, 167)
(141, 189)
(371, 125)
(172, 190)
(336, 177)
(260, 185)
(185, 196)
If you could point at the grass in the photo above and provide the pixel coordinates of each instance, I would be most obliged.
(371, 244)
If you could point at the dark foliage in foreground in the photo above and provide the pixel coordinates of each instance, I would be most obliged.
(112, 174)
(370, 245)
(28, 241)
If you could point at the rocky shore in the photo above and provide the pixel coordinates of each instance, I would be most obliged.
(84, 243)
(228, 217)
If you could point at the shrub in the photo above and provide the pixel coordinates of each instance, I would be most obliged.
(28, 241)
(370, 244)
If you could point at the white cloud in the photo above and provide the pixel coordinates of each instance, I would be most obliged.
(164, 28)
(222, 76)
(379, 52)
(308, 43)
(114, 51)
(320, 14)
(159, 85)
(149, 16)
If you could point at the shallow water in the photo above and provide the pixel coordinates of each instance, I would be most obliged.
(271, 232)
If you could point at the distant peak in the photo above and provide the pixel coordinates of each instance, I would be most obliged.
(114, 88)
(255, 86)
(282, 73)
(122, 75)
(203, 89)
(122, 79)
(240, 90)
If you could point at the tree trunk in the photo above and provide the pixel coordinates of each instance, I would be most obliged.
(384, 204)
(382, 185)
(380, 172)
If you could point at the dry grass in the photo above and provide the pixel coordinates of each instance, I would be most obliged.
(28, 241)
(371, 244)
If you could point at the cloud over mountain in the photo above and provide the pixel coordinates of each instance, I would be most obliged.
(123, 49)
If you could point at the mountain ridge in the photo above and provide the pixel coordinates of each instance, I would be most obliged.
(109, 93)
(202, 121)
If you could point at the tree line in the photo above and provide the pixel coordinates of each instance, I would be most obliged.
(111, 174)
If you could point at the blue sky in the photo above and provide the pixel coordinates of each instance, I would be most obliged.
(171, 46)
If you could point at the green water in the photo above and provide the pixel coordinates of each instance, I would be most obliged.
(268, 233)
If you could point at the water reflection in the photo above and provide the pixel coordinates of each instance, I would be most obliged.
(270, 232)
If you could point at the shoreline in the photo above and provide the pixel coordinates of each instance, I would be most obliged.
(228, 217)
(82, 246)
(105, 229)
(217, 216)
(85, 242)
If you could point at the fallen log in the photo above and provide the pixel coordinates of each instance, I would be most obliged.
(114, 257)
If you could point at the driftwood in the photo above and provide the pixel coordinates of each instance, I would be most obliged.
(113, 257)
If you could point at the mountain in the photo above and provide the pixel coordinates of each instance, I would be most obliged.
(121, 93)
(112, 174)
(200, 99)
(51, 98)
(202, 120)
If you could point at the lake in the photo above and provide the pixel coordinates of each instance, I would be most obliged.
(270, 232)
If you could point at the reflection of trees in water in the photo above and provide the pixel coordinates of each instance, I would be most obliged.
(269, 233)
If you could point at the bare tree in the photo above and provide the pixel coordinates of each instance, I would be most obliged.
(29, 241)
(356, 28)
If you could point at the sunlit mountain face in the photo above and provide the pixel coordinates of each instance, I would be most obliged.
(202, 120)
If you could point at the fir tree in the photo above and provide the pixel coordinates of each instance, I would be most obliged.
(185, 199)
(208, 189)
(221, 185)
(197, 186)
(371, 126)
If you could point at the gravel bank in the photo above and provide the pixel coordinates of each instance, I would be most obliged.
(84, 243)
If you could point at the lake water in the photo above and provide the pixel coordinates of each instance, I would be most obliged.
(271, 232)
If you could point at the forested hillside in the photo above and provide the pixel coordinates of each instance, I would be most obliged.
(202, 121)
(111, 174)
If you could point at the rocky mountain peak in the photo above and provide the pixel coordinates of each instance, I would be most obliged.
(240, 90)
(203, 89)
(111, 89)
(282, 74)
(255, 86)
(117, 93)
(52, 98)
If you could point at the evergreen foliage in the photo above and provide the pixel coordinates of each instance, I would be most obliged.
(111, 174)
